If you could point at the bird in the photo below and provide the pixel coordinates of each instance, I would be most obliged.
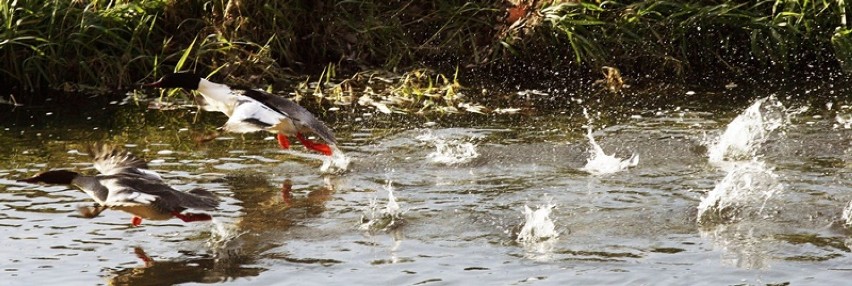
(252, 110)
(125, 183)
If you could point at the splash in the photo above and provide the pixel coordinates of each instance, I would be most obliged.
(843, 120)
(748, 131)
(600, 163)
(450, 152)
(385, 219)
(746, 187)
(221, 233)
(537, 225)
(847, 215)
(338, 162)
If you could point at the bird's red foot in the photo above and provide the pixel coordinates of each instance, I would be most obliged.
(190, 217)
(136, 221)
(283, 142)
(319, 147)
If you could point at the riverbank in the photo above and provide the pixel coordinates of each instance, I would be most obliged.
(108, 46)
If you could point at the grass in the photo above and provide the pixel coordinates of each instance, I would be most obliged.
(105, 46)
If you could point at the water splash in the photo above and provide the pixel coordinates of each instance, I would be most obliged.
(746, 187)
(385, 218)
(847, 215)
(221, 233)
(537, 225)
(338, 162)
(599, 163)
(843, 120)
(449, 152)
(748, 131)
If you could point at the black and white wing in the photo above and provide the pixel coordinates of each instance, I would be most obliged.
(110, 160)
(249, 115)
(293, 111)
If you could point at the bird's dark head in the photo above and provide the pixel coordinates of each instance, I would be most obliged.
(54, 177)
(185, 80)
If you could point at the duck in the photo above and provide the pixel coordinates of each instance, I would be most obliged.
(252, 110)
(125, 183)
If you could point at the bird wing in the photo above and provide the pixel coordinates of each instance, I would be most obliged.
(295, 112)
(110, 160)
(131, 191)
(136, 191)
(249, 115)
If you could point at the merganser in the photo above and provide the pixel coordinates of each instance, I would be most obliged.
(125, 183)
(251, 110)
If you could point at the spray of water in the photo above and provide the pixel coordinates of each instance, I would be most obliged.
(599, 163)
(847, 215)
(537, 225)
(449, 152)
(338, 162)
(221, 233)
(844, 121)
(748, 131)
(384, 218)
(744, 191)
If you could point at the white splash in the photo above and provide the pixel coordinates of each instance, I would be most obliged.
(747, 186)
(450, 152)
(847, 215)
(338, 162)
(537, 225)
(221, 233)
(600, 163)
(748, 131)
(843, 120)
(386, 218)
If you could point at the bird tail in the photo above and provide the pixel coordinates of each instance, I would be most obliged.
(201, 199)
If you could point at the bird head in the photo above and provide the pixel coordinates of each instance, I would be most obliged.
(185, 80)
(53, 177)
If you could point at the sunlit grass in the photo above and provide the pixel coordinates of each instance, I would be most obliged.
(99, 45)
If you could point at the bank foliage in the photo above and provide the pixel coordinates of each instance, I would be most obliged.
(110, 45)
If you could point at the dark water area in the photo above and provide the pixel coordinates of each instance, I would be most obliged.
(461, 182)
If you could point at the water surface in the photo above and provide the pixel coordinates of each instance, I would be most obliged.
(462, 183)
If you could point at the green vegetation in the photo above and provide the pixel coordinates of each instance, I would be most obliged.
(100, 45)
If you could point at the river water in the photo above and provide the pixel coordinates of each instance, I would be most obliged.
(501, 199)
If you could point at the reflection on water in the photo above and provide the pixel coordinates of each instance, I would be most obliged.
(741, 245)
(283, 220)
(203, 269)
(742, 194)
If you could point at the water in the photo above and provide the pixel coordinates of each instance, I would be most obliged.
(779, 216)
(599, 163)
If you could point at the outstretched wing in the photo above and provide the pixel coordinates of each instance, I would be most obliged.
(111, 160)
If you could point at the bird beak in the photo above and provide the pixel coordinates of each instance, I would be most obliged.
(30, 180)
(153, 84)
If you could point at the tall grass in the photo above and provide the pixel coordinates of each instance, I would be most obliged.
(700, 39)
(108, 45)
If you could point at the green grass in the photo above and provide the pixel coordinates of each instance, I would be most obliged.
(105, 46)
